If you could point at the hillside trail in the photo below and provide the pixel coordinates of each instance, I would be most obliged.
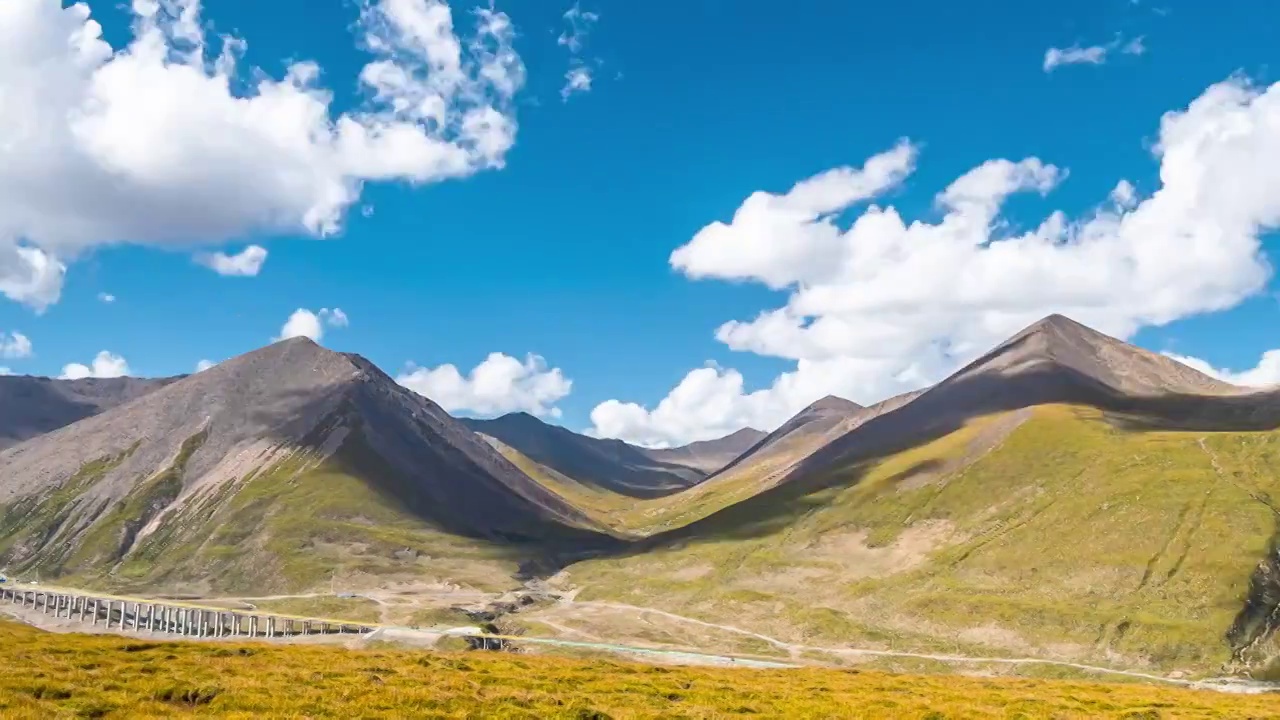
(795, 650)
(568, 601)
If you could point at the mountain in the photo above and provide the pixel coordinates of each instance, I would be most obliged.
(757, 468)
(31, 406)
(603, 464)
(709, 455)
(273, 469)
(1066, 495)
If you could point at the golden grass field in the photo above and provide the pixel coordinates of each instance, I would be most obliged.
(48, 675)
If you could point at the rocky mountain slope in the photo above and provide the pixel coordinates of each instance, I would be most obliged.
(32, 406)
(265, 468)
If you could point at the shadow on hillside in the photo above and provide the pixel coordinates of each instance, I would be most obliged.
(608, 464)
(34, 406)
(412, 457)
(943, 410)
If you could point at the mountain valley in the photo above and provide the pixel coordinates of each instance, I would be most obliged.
(1065, 496)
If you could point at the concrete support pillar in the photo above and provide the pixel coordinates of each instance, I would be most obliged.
(253, 626)
(94, 619)
(271, 627)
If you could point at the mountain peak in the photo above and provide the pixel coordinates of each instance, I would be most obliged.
(831, 403)
(1059, 341)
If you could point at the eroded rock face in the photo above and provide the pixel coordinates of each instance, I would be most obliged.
(1259, 619)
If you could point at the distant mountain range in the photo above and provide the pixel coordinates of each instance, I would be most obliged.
(1066, 493)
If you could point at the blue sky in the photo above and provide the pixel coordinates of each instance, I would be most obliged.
(564, 250)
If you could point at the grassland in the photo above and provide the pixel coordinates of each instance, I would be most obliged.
(51, 675)
(1053, 534)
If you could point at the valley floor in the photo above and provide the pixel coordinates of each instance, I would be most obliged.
(103, 676)
(410, 616)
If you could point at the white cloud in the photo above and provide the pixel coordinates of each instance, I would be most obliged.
(500, 384)
(1124, 194)
(168, 140)
(14, 345)
(1074, 55)
(880, 305)
(105, 365)
(5, 371)
(1092, 54)
(247, 263)
(106, 297)
(1265, 373)
(304, 323)
(578, 26)
(204, 365)
(335, 317)
(576, 80)
(1136, 46)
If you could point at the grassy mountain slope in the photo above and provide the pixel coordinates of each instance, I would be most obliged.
(1046, 531)
(274, 470)
(754, 471)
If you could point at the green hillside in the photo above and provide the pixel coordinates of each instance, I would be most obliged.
(289, 527)
(1047, 532)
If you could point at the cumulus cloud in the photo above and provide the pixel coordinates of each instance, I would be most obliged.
(5, 371)
(578, 25)
(14, 345)
(1264, 374)
(1092, 54)
(308, 324)
(500, 384)
(106, 298)
(879, 304)
(169, 140)
(105, 365)
(203, 365)
(246, 263)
